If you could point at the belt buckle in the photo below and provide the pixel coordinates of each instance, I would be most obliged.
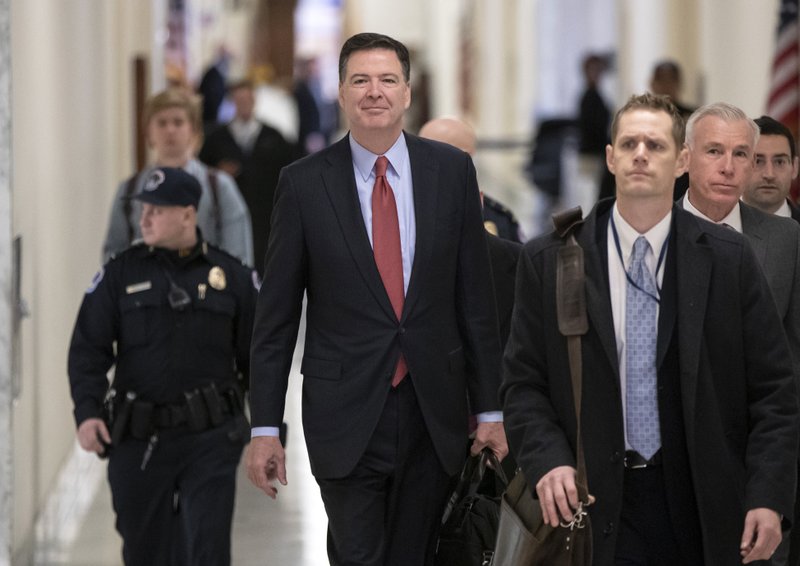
(629, 464)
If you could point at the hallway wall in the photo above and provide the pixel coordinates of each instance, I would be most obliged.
(71, 136)
(72, 143)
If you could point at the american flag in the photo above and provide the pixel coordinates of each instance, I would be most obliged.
(784, 91)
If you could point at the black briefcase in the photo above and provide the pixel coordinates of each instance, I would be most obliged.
(469, 522)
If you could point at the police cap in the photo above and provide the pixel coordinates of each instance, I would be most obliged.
(170, 186)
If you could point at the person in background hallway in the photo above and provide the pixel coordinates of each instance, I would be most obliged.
(174, 316)
(503, 252)
(254, 154)
(689, 413)
(382, 233)
(722, 142)
(497, 218)
(307, 96)
(776, 166)
(212, 88)
(172, 122)
(667, 79)
(594, 118)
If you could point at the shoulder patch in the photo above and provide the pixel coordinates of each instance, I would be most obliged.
(98, 277)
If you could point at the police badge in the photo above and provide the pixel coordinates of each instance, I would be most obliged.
(216, 278)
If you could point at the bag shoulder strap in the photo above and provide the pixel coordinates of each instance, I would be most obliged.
(572, 319)
(127, 205)
(213, 183)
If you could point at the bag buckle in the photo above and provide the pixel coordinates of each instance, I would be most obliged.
(578, 519)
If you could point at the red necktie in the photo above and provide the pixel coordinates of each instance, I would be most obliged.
(386, 247)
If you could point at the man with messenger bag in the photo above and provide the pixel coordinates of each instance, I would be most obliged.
(689, 410)
(174, 316)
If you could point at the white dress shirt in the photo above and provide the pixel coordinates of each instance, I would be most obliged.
(657, 237)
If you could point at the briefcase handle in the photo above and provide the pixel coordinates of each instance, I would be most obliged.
(471, 478)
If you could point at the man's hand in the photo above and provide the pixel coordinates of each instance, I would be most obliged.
(92, 433)
(266, 462)
(762, 534)
(558, 494)
(492, 435)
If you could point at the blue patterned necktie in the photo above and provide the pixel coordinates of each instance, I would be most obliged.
(641, 325)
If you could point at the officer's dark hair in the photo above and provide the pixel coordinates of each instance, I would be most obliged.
(655, 103)
(769, 126)
(367, 41)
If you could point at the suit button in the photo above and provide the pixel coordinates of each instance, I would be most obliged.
(615, 457)
(402, 330)
(609, 529)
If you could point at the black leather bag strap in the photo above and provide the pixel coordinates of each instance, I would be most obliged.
(127, 204)
(213, 183)
(572, 320)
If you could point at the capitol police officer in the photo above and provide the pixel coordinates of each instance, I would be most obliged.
(174, 316)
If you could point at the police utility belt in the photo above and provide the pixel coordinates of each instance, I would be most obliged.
(204, 408)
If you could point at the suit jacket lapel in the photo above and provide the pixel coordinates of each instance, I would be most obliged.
(425, 181)
(693, 277)
(751, 226)
(340, 184)
(667, 307)
(594, 240)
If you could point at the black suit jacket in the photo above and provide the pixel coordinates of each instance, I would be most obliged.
(795, 210)
(737, 393)
(503, 255)
(448, 329)
(257, 176)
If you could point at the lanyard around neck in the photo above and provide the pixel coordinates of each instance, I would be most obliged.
(661, 255)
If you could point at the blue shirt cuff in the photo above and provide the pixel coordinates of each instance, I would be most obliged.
(490, 417)
(264, 431)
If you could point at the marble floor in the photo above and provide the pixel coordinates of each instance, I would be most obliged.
(290, 530)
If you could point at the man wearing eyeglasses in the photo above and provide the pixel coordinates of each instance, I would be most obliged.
(173, 315)
(776, 166)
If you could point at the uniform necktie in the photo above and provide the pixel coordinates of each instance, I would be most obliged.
(386, 247)
(643, 428)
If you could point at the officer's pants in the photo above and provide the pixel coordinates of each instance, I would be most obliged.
(178, 511)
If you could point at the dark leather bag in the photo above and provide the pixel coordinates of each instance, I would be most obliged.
(469, 522)
(523, 539)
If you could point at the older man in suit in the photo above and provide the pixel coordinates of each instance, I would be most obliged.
(689, 415)
(724, 145)
(382, 232)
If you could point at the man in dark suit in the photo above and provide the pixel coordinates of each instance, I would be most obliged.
(776, 166)
(719, 175)
(503, 252)
(691, 434)
(382, 232)
(254, 154)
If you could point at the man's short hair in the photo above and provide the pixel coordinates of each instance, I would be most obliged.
(175, 98)
(726, 112)
(654, 103)
(367, 41)
(769, 126)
